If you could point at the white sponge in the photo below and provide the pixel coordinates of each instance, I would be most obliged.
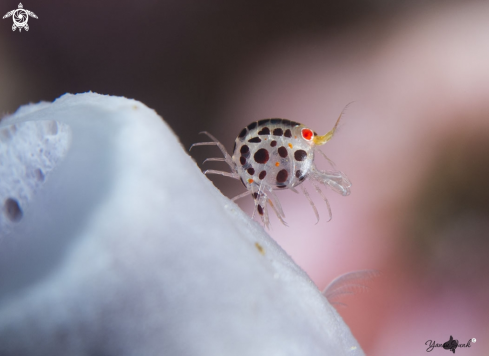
(113, 242)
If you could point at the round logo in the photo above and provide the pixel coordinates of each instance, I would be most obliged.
(20, 17)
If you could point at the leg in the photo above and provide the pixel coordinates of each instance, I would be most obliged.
(265, 217)
(262, 210)
(214, 160)
(278, 210)
(242, 195)
(227, 157)
(324, 198)
(273, 199)
(202, 144)
(226, 174)
(310, 202)
(261, 199)
(336, 180)
(277, 213)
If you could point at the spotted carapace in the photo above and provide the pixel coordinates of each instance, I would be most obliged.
(277, 154)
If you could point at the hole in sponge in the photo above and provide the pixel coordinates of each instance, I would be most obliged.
(12, 209)
(39, 174)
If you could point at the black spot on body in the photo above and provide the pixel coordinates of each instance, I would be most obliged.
(260, 209)
(255, 195)
(288, 133)
(273, 143)
(300, 175)
(282, 176)
(242, 160)
(244, 149)
(282, 151)
(286, 122)
(262, 175)
(264, 131)
(251, 171)
(252, 126)
(255, 140)
(243, 133)
(263, 122)
(278, 132)
(300, 155)
(261, 156)
(12, 210)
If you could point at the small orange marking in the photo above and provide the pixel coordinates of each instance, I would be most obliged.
(290, 145)
(250, 180)
(260, 248)
(277, 164)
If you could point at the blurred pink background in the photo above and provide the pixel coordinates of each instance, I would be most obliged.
(415, 142)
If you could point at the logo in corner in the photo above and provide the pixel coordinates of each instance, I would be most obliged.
(20, 17)
(451, 344)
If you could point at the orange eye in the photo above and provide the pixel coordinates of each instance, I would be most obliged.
(307, 134)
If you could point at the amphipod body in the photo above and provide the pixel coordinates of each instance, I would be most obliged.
(275, 154)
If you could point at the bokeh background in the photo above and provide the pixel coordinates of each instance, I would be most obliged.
(415, 142)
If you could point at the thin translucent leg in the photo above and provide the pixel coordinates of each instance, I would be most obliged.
(324, 198)
(336, 180)
(255, 208)
(202, 144)
(261, 199)
(277, 212)
(265, 218)
(222, 173)
(253, 213)
(242, 195)
(276, 202)
(214, 160)
(215, 142)
(294, 190)
(349, 283)
(310, 202)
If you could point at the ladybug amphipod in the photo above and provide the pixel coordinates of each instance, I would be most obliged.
(274, 154)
